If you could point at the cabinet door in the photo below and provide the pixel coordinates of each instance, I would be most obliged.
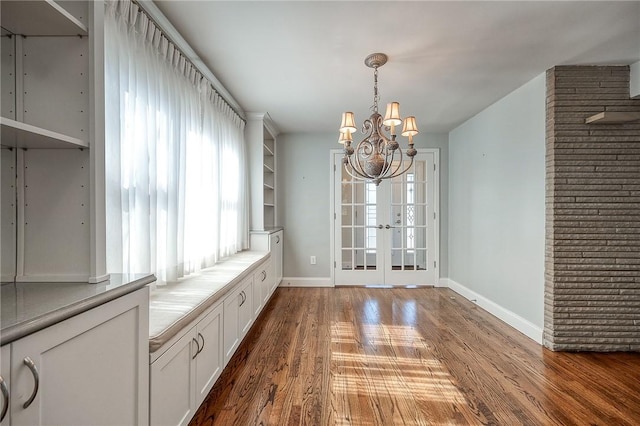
(276, 247)
(5, 367)
(258, 290)
(231, 331)
(210, 361)
(267, 283)
(245, 309)
(91, 367)
(173, 398)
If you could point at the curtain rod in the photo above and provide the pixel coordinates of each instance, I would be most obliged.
(151, 11)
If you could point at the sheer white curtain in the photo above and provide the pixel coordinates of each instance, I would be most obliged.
(177, 197)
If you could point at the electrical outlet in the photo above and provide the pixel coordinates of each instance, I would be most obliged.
(312, 260)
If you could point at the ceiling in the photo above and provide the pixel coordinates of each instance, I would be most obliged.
(303, 61)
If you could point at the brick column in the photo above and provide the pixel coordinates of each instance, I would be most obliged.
(592, 268)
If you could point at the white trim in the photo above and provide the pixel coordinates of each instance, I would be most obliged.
(332, 215)
(523, 325)
(306, 282)
(442, 282)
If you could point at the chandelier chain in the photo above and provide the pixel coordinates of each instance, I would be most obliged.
(376, 96)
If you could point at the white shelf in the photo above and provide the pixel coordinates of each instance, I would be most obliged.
(21, 135)
(39, 18)
(613, 117)
(268, 168)
(267, 186)
(267, 149)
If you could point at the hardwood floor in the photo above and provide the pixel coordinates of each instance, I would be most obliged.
(356, 356)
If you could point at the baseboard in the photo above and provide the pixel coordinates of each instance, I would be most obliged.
(524, 326)
(306, 282)
(442, 282)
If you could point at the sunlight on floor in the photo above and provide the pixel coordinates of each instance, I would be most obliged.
(391, 363)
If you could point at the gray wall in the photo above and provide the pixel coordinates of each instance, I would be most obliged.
(303, 199)
(497, 202)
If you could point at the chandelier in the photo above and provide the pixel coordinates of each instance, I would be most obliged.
(377, 157)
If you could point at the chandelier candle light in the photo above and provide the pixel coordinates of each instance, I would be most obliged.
(375, 155)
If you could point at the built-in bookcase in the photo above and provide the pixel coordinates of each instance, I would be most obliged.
(50, 226)
(261, 140)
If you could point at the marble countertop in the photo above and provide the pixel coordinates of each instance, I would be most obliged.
(29, 307)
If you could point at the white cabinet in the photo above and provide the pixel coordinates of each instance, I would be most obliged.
(238, 316)
(173, 385)
(185, 373)
(261, 135)
(89, 368)
(272, 241)
(262, 286)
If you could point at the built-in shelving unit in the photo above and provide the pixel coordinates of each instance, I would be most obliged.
(268, 178)
(613, 117)
(261, 139)
(48, 113)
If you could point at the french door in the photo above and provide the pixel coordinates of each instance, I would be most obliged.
(386, 234)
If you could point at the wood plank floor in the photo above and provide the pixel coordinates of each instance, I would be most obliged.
(356, 356)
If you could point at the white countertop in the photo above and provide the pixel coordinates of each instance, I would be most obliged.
(28, 307)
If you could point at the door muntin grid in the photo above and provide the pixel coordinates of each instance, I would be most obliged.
(359, 245)
(409, 214)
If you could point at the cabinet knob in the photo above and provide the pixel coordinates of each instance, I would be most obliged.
(36, 380)
(277, 239)
(5, 398)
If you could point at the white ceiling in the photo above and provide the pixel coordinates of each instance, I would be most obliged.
(302, 61)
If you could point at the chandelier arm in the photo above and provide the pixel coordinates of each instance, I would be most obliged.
(356, 167)
(387, 164)
(393, 174)
(358, 175)
(405, 170)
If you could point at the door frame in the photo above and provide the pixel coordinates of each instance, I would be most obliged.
(333, 153)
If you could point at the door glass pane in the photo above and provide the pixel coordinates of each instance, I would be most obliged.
(408, 216)
(347, 261)
(358, 218)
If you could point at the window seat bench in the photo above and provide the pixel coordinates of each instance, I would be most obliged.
(174, 306)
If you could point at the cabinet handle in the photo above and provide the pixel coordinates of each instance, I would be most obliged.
(36, 381)
(202, 347)
(5, 397)
(264, 275)
(198, 350)
(277, 239)
(243, 298)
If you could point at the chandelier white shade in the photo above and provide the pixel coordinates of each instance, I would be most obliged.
(377, 156)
